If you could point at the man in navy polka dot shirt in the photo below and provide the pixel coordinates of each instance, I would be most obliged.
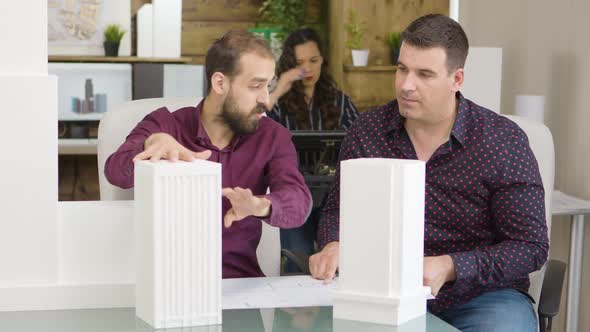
(485, 227)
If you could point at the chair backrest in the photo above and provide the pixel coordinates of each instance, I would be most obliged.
(112, 131)
(541, 142)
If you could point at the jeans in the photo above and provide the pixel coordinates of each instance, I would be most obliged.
(301, 239)
(502, 310)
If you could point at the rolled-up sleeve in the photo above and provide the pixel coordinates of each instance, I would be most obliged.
(119, 167)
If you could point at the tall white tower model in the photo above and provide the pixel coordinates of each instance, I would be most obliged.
(28, 240)
(381, 241)
(178, 227)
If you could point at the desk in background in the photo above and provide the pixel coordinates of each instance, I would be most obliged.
(564, 205)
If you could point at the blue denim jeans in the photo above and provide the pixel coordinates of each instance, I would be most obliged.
(300, 240)
(502, 310)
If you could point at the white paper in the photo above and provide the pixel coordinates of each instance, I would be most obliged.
(276, 292)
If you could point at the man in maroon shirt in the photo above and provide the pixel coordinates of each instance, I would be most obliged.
(227, 127)
(485, 227)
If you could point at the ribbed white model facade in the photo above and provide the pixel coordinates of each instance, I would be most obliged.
(381, 241)
(178, 223)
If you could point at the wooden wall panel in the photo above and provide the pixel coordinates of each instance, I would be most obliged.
(203, 21)
(197, 36)
(384, 16)
(78, 178)
(369, 88)
(235, 10)
(221, 10)
(372, 85)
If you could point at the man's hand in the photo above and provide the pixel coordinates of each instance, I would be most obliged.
(163, 146)
(244, 204)
(437, 271)
(324, 264)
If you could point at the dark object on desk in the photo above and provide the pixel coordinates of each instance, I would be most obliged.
(317, 152)
(318, 158)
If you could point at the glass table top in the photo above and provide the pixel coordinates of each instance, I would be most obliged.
(267, 320)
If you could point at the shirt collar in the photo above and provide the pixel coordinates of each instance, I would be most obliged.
(459, 127)
(201, 135)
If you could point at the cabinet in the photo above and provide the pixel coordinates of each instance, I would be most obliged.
(141, 78)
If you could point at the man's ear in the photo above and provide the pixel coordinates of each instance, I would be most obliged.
(458, 77)
(219, 83)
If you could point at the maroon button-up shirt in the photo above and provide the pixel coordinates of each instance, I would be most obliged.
(265, 159)
(484, 203)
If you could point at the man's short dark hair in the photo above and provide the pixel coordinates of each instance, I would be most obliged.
(225, 53)
(435, 30)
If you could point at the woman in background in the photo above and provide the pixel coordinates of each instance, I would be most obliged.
(307, 98)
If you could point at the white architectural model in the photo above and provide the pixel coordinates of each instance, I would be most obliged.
(381, 241)
(177, 219)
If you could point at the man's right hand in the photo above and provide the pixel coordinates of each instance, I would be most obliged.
(163, 146)
(324, 264)
(284, 84)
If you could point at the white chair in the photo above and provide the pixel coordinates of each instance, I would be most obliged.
(546, 284)
(112, 131)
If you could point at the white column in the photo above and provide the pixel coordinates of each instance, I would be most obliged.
(381, 241)
(167, 28)
(145, 39)
(28, 176)
(178, 223)
(454, 10)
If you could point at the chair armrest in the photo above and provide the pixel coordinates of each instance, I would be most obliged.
(551, 290)
(300, 259)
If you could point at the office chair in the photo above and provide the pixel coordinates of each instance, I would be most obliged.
(547, 283)
(112, 131)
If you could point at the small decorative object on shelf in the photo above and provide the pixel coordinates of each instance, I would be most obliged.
(112, 39)
(356, 29)
(394, 40)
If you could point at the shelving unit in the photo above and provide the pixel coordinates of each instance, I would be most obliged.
(87, 146)
(77, 146)
(117, 59)
(381, 68)
(372, 85)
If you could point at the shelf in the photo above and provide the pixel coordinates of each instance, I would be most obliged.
(117, 59)
(350, 68)
(68, 146)
(81, 117)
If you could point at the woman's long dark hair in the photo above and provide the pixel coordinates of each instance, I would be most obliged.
(325, 92)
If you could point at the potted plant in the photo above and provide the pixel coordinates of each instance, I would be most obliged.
(356, 29)
(288, 15)
(112, 39)
(394, 40)
(278, 19)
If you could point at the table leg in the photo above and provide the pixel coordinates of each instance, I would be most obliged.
(575, 273)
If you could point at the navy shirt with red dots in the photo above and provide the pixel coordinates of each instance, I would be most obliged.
(484, 203)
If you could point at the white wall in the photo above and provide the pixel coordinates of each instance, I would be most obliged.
(546, 52)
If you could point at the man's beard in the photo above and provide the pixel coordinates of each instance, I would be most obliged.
(240, 124)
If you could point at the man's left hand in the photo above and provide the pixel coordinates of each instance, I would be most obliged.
(244, 204)
(437, 271)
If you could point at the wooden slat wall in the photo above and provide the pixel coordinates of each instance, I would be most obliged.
(203, 21)
(78, 178)
(372, 88)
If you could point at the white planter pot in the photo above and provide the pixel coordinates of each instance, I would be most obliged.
(360, 57)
